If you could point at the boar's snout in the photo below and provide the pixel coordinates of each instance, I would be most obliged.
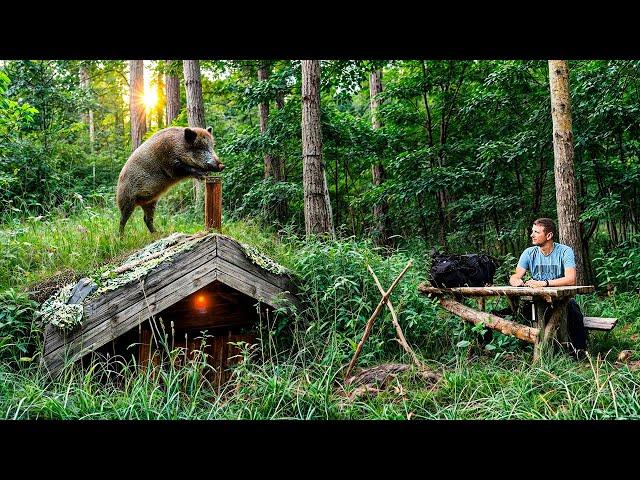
(215, 166)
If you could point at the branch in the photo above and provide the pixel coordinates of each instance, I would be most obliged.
(394, 319)
(378, 309)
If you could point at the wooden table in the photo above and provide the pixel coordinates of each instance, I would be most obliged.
(545, 298)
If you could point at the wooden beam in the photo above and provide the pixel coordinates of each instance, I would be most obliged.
(545, 292)
(528, 334)
(599, 323)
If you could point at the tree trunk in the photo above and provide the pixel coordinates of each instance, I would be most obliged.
(317, 207)
(136, 105)
(279, 172)
(195, 107)
(380, 209)
(263, 111)
(567, 203)
(160, 112)
(87, 117)
(172, 86)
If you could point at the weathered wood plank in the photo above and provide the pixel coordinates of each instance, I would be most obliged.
(84, 287)
(231, 251)
(600, 323)
(127, 296)
(123, 321)
(553, 292)
(528, 334)
(239, 279)
(186, 259)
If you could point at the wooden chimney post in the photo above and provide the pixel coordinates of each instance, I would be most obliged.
(213, 204)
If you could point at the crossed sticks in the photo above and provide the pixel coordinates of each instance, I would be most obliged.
(384, 301)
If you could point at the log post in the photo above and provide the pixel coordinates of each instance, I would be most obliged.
(213, 204)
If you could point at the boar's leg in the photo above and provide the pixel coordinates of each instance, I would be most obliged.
(126, 209)
(149, 210)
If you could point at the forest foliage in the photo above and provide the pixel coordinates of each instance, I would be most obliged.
(467, 151)
(466, 146)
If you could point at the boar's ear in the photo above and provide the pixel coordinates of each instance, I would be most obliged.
(190, 135)
(210, 130)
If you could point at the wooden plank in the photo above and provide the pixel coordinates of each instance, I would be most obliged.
(109, 297)
(552, 292)
(163, 274)
(237, 278)
(231, 251)
(97, 312)
(600, 323)
(84, 287)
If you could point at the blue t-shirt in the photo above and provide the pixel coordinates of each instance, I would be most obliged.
(547, 267)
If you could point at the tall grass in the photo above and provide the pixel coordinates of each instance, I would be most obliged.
(296, 370)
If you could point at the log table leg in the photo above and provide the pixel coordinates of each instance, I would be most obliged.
(554, 329)
(539, 308)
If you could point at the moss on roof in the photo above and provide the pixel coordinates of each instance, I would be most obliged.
(138, 265)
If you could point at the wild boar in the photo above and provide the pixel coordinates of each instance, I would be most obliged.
(170, 155)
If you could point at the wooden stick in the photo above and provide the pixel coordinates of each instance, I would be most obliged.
(375, 313)
(394, 319)
(528, 334)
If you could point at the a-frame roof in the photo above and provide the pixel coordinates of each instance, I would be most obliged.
(164, 277)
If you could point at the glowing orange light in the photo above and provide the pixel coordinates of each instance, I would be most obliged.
(202, 302)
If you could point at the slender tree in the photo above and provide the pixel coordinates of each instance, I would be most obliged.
(317, 207)
(195, 106)
(87, 116)
(136, 104)
(160, 111)
(193, 85)
(172, 91)
(380, 209)
(263, 111)
(567, 203)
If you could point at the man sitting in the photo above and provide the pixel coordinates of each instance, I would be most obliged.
(552, 264)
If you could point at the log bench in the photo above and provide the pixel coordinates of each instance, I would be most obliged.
(600, 323)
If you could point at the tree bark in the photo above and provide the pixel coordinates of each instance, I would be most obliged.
(195, 107)
(317, 207)
(193, 85)
(136, 104)
(172, 87)
(522, 332)
(160, 112)
(380, 209)
(87, 117)
(263, 111)
(566, 200)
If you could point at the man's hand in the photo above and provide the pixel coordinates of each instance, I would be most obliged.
(535, 283)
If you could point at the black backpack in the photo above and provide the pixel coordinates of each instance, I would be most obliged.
(470, 270)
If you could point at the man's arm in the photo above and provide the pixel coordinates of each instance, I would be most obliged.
(568, 280)
(516, 279)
